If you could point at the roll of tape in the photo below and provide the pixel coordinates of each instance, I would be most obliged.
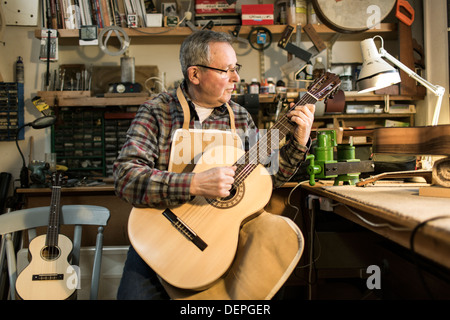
(121, 35)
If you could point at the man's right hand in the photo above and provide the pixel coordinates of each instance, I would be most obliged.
(213, 183)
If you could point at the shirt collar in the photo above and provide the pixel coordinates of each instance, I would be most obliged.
(220, 109)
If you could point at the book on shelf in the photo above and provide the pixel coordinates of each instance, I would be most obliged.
(402, 108)
(71, 14)
(222, 19)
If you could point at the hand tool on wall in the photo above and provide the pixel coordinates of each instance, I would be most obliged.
(301, 56)
(405, 12)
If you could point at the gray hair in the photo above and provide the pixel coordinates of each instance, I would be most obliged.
(195, 48)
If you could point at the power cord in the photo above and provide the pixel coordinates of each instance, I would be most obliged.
(312, 259)
(372, 224)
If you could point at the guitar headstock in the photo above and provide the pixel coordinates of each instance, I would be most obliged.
(324, 86)
(57, 178)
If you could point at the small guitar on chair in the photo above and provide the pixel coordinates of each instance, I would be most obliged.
(49, 276)
(192, 245)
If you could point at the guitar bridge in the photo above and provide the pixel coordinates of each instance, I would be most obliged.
(49, 276)
(184, 229)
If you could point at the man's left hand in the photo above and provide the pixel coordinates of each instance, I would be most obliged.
(303, 116)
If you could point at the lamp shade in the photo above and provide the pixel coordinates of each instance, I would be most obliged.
(375, 73)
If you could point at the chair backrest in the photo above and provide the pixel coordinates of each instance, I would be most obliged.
(32, 218)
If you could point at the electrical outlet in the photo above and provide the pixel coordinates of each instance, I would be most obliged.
(326, 204)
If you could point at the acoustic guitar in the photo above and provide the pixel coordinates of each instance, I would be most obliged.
(192, 245)
(49, 276)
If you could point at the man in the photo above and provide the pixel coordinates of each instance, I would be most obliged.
(210, 71)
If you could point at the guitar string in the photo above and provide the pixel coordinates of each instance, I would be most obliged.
(53, 228)
(44, 265)
(52, 242)
(253, 152)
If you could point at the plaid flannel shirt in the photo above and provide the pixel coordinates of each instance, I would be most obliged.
(140, 171)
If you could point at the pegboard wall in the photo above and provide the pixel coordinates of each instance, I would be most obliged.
(20, 12)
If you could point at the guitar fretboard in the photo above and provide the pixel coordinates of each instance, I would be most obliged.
(261, 151)
(53, 221)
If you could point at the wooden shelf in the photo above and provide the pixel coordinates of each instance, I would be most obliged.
(84, 99)
(355, 96)
(363, 116)
(161, 35)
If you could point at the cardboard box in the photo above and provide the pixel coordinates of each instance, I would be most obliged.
(254, 14)
(154, 19)
(214, 6)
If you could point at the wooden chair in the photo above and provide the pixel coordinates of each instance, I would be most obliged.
(29, 219)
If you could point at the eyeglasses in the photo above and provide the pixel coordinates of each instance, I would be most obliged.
(225, 73)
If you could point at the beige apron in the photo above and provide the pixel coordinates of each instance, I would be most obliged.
(270, 246)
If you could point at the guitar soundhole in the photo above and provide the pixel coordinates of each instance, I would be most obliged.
(50, 253)
(236, 195)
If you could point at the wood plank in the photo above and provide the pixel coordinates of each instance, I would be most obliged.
(434, 191)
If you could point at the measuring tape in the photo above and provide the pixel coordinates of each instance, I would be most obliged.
(263, 38)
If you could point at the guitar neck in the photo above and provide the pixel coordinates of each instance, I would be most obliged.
(54, 217)
(263, 148)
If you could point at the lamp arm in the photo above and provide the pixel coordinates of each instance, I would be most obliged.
(437, 90)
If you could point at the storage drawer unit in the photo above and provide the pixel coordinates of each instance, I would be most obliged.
(11, 110)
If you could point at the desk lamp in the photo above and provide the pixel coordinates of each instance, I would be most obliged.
(39, 123)
(377, 73)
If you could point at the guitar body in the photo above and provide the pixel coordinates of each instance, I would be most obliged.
(180, 261)
(48, 277)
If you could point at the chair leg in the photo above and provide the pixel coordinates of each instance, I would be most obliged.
(96, 270)
(12, 266)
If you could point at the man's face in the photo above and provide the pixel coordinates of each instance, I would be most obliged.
(215, 87)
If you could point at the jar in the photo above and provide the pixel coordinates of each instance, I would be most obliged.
(346, 83)
(254, 87)
(318, 69)
(271, 85)
(243, 87)
(301, 10)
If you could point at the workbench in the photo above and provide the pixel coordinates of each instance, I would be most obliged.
(394, 211)
(417, 228)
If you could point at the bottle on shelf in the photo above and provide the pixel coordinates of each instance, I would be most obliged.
(264, 88)
(271, 85)
(243, 87)
(318, 69)
(309, 71)
(301, 10)
(346, 79)
(19, 70)
(280, 87)
(254, 86)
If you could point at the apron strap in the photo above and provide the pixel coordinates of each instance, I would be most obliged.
(186, 112)
(185, 107)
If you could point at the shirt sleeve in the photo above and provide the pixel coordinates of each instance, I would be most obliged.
(139, 178)
(287, 162)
